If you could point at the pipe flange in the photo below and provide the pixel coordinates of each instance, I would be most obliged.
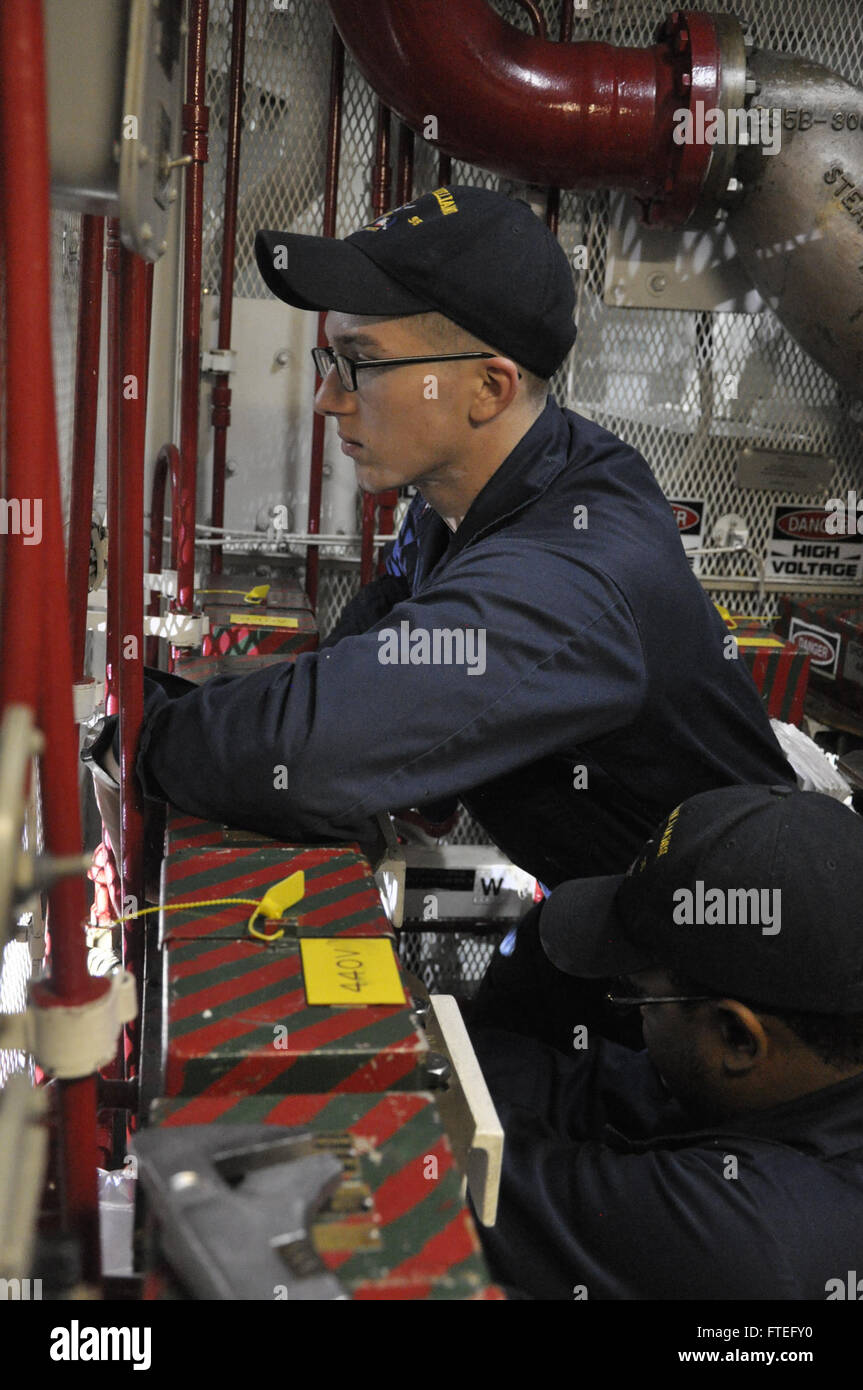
(708, 60)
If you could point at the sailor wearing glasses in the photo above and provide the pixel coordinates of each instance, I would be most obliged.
(606, 693)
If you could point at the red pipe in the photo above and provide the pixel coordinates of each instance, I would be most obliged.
(115, 391)
(196, 120)
(130, 571)
(36, 664)
(553, 205)
(582, 115)
(221, 399)
(405, 166)
(331, 191)
(84, 434)
(154, 554)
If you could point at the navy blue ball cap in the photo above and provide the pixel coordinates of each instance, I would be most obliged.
(481, 259)
(752, 891)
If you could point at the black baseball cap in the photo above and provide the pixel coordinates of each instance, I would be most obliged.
(756, 892)
(482, 259)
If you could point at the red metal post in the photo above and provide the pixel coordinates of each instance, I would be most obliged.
(36, 664)
(553, 204)
(84, 435)
(381, 185)
(196, 120)
(154, 553)
(221, 399)
(405, 166)
(331, 189)
(129, 575)
(114, 398)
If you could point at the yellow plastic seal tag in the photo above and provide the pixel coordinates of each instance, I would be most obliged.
(258, 594)
(351, 970)
(760, 642)
(262, 620)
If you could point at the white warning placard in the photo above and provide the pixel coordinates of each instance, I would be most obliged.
(689, 515)
(801, 547)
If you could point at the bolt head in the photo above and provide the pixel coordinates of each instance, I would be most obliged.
(686, 80)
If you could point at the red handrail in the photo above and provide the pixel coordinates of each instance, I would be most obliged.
(170, 464)
(35, 649)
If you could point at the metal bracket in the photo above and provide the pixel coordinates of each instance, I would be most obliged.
(86, 695)
(223, 360)
(72, 1040)
(19, 742)
(467, 1109)
(180, 629)
(23, 1148)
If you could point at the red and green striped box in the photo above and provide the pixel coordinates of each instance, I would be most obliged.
(236, 1022)
(831, 634)
(780, 671)
(412, 1236)
(341, 897)
(188, 832)
(228, 638)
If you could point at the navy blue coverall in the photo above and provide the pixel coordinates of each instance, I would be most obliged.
(607, 690)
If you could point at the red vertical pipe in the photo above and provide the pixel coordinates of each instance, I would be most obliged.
(222, 385)
(114, 397)
(405, 166)
(84, 432)
(33, 472)
(553, 205)
(331, 189)
(381, 184)
(154, 554)
(196, 120)
(130, 572)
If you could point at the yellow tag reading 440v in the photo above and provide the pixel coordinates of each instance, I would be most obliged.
(351, 970)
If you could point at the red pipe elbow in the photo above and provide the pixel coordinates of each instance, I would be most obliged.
(582, 115)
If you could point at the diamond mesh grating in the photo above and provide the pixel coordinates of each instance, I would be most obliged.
(685, 389)
(448, 962)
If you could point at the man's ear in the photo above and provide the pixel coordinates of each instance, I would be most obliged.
(743, 1040)
(498, 387)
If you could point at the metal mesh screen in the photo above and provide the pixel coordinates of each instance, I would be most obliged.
(450, 962)
(684, 388)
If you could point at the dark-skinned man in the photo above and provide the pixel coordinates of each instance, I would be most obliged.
(726, 1160)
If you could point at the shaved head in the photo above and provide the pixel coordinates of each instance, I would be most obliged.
(443, 335)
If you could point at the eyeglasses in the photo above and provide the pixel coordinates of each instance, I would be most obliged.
(635, 1001)
(347, 368)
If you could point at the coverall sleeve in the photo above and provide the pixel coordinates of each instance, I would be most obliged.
(392, 717)
(580, 1218)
